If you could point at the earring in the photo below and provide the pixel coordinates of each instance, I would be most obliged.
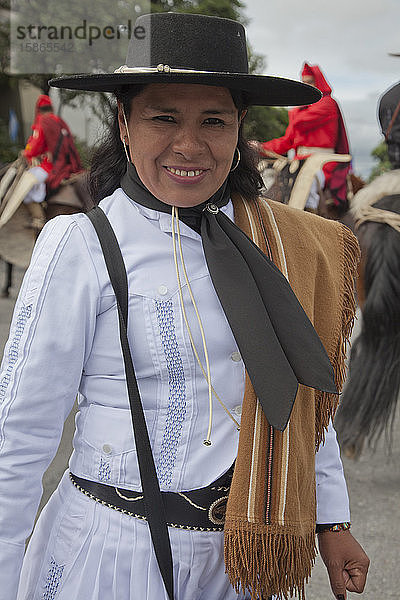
(126, 137)
(238, 159)
(126, 148)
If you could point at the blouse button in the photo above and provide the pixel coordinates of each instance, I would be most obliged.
(162, 290)
(235, 356)
(238, 410)
(107, 449)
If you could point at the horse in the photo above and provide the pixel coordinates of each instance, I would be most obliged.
(18, 235)
(290, 182)
(369, 400)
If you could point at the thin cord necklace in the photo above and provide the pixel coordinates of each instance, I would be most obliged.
(206, 372)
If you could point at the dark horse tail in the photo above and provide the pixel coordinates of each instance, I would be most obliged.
(368, 403)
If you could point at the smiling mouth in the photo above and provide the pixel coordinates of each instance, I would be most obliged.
(183, 173)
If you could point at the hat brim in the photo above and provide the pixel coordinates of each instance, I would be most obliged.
(263, 90)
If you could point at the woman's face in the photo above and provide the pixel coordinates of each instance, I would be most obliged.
(308, 79)
(182, 140)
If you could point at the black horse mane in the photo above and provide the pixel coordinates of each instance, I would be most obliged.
(368, 403)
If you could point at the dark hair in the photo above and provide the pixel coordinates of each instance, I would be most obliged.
(109, 161)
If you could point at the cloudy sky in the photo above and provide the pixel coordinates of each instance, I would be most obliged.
(349, 39)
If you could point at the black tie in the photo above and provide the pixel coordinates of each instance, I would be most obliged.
(278, 344)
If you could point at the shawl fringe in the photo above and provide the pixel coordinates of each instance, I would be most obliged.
(270, 537)
(268, 560)
(326, 404)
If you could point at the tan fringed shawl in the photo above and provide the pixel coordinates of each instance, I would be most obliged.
(271, 512)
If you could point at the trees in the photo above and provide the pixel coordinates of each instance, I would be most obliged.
(265, 122)
(380, 155)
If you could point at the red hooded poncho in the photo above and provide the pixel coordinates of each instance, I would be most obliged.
(51, 138)
(318, 125)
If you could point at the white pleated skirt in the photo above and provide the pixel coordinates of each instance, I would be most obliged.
(81, 550)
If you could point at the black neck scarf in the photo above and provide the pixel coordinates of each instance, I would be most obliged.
(278, 344)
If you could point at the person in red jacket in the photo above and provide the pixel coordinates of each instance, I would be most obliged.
(52, 146)
(315, 127)
(52, 158)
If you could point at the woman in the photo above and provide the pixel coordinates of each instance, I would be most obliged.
(200, 294)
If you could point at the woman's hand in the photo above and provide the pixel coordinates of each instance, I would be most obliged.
(345, 560)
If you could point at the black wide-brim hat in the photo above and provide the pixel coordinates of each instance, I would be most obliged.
(188, 48)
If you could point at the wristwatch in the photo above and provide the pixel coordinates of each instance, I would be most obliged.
(321, 527)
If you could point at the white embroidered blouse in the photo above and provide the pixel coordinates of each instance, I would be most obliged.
(64, 339)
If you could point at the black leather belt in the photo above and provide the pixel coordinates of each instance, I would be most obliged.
(198, 510)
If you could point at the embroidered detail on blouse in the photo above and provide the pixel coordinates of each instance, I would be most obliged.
(177, 391)
(53, 580)
(104, 470)
(13, 350)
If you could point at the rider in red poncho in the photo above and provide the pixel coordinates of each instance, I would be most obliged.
(52, 143)
(52, 157)
(313, 127)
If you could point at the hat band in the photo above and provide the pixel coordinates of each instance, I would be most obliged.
(161, 69)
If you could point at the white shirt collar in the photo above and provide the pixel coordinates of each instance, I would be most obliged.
(164, 219)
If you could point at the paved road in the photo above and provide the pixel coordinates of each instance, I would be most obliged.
(374, 487)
